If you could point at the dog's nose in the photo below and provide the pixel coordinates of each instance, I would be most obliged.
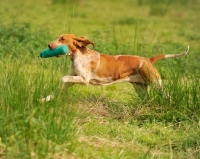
(50, 46)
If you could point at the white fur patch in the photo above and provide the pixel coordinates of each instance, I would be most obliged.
(117, 56)
(141, 64)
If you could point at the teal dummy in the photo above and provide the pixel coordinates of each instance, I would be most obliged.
(60, 50)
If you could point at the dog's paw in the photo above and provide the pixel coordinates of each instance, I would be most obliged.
(47, 99)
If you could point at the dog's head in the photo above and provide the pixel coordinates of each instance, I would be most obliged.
(73, 43)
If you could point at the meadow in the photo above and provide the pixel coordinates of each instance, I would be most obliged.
(109, 122)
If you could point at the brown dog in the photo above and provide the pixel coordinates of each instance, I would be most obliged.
(91, 67)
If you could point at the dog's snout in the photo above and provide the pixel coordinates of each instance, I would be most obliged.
(50, 46)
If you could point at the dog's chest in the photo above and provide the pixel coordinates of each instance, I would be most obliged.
(82, 63)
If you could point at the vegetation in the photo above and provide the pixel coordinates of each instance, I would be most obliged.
(99, 122)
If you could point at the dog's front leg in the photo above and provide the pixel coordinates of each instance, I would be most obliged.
(66, 82)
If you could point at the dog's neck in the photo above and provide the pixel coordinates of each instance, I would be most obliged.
(82, 50)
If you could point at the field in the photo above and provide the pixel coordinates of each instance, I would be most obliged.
(109, 122)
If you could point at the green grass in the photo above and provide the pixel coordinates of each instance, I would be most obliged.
(99, 122)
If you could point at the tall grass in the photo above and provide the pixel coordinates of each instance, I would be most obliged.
(29, 129)
(99, 122)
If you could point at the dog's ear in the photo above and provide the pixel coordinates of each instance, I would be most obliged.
(82, 42)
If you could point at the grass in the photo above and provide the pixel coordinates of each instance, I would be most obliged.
(98, 122)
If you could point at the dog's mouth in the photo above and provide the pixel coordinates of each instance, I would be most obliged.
(51, 46)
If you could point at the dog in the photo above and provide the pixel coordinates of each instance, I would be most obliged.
(91, 67)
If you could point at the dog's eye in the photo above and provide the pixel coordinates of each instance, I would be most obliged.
(62, 39)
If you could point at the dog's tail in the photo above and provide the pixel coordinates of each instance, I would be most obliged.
(166, 56)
